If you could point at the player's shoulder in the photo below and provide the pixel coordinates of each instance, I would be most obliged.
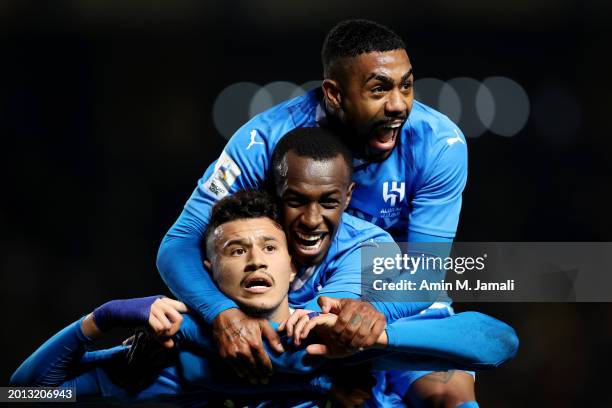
(428, 124)
(355, 231)
(293, 113)
(432, 136)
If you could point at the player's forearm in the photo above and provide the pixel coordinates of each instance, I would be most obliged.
(469, 338)
(180, 264)
(51, 364)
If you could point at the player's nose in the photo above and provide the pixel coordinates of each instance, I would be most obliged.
(311, 217)
(256, 260)
(396, 104)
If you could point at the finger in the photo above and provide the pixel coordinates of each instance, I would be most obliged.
(161, 316)
(264, 365)
(361, 316)
(312, 323)
(377, 329)
(317, 350)
(297, 335)
(358, 341)
(291, 321)
(268, 333)
(155, 324)
(176, 305)
(167, 342)
(345, 326)
(328, 304)
(175, 319)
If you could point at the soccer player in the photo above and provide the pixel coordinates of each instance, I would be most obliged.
(410, 170)
(250, 262)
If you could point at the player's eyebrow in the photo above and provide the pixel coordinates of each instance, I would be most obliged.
(247, 242)
(385, 79)
(237, 241)
(407, 75)
(379, 77)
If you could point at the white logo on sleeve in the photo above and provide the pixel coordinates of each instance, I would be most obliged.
(452, 140)
(253, 142)
(223, 177)
(396, 193)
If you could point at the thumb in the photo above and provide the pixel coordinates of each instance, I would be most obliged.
(269, 334)
(317, 350)
(329, 304)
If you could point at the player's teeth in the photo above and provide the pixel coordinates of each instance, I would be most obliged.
(308, 237)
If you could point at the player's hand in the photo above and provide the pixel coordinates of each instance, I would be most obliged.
(299, 316)
(239, 338)
(312, 320)
(161, 314)
(165, 319)
(359, 324)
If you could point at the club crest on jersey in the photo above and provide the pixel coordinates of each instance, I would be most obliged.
(395, 194)
(223, 177)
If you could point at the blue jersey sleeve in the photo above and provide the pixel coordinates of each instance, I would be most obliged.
(52, 364)
(436, 204)
(243, 164)
(470, 340)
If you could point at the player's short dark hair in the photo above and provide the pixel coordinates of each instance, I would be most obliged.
(314, 143)
(351, 38)
(241, 205)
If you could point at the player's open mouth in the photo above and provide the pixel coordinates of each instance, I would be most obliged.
(310, 242)
(385, 136)
(257, 282)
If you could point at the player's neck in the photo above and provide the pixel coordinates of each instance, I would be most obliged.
(281, 313)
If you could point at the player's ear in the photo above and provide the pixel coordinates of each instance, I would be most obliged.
(208, 265)
(333, 95)
(349, 194)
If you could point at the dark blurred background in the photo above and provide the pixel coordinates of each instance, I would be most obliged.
(106, 123)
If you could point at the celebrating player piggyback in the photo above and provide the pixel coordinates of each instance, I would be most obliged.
(409, 166)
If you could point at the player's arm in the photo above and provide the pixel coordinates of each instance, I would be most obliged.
(242, 165)
(53, 363)
(468, 340)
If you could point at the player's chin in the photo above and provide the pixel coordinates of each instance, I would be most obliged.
(259, 307)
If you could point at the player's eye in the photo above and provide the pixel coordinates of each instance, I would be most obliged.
(269, 248)
(330, 204)
(238, 251)
(407, 85)
(378, 89)
(293, 202)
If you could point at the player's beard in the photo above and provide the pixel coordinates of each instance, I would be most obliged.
(258, 311)
(379, 134)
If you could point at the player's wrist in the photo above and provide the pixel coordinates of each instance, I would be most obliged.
(89, 328)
